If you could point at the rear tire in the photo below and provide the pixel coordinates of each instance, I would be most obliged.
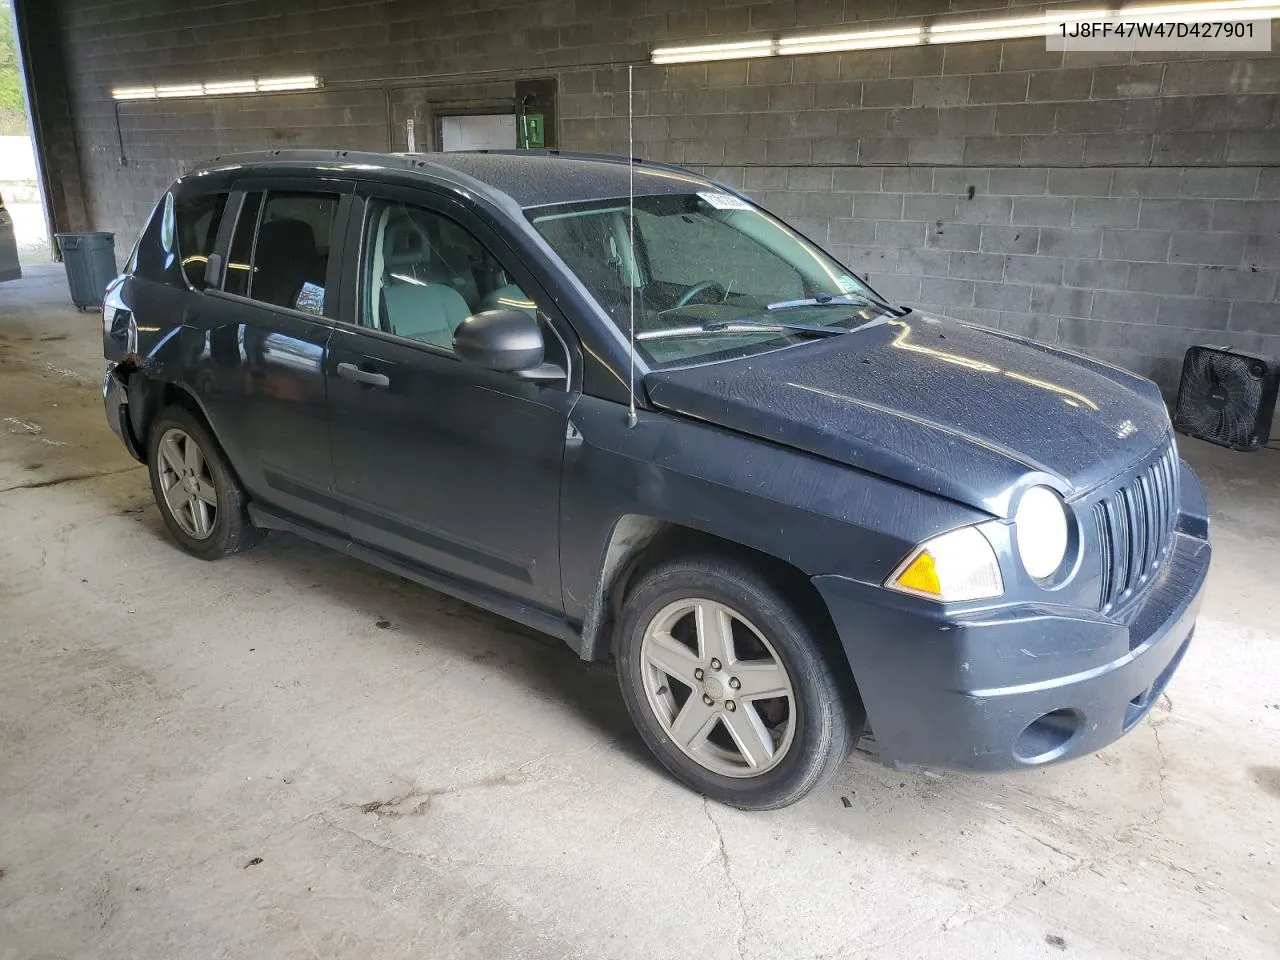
(729, 685)
(200, 499)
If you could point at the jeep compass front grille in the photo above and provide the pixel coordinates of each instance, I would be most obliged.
(1135, 528)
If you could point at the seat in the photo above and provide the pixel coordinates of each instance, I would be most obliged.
(429, 312)
(410, 254)
(286, 255)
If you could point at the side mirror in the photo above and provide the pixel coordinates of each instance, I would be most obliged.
(505, 340)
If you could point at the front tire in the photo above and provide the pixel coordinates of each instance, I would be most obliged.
(200, 499)
(729, 686)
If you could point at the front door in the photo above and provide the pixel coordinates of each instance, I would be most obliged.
(450, 466)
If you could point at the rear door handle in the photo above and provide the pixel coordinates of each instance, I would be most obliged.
(349, 371)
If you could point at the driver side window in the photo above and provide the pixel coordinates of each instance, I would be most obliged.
(425, 273)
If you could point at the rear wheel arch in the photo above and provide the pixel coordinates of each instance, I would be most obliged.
(149, 396)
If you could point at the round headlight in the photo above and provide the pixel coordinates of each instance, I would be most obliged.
(1041, 523)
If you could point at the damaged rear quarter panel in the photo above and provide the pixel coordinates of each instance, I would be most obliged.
(149, 353)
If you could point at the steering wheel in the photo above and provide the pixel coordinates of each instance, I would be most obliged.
(702, 286)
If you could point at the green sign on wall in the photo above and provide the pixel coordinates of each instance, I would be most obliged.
(531, 132)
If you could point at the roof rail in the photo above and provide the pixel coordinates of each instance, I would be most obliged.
(576, 155)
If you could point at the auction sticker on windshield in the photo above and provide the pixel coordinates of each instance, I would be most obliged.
(724, 201)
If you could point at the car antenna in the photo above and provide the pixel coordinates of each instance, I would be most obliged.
(631, 251)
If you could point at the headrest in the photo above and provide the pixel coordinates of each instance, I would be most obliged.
(287, 238)
(405, 243)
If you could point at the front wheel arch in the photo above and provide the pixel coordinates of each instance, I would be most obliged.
(638, 543)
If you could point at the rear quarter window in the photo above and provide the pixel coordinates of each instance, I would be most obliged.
(175, 245)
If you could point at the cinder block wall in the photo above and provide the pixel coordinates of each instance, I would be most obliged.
(1126, 205)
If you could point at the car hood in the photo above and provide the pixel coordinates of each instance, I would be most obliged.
(958, 410)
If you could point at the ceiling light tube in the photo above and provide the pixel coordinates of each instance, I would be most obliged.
(714, 51)
(230, 86)
(216, 89)
(180, 90)
(884, 43)
(967, 30)
(877, 40)
(966, 26)
(973, 36)
(1041, 22)
(134, 93)
(717, 55)
(289, 83)
(857, 36)
(711, 47)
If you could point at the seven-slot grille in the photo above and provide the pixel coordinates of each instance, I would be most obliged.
(1135, 527)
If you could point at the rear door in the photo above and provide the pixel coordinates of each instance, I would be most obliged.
(450, 466)
(9, 268)
(258, 339)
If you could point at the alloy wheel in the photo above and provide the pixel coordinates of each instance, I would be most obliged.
(718, 688)
(189, 492)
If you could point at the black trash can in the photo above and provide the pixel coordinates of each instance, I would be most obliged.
(90, 259)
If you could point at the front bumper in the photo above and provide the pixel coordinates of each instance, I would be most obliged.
(1022, 685)
(115, 398)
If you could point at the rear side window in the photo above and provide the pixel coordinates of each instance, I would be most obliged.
(197, 224)
(175, 246)
(280, 251)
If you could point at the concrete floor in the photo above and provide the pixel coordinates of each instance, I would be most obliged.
(288, 754)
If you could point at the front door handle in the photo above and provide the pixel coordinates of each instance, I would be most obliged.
(349, 371)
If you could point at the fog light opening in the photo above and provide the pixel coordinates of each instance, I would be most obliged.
(1048, 737)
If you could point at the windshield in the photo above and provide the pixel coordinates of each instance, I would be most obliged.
(713, 276)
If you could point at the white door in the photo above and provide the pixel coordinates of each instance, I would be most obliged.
(485, 132)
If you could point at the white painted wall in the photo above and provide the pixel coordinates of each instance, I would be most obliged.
(489, 132)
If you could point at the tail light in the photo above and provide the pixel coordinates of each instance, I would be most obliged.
(119, 333)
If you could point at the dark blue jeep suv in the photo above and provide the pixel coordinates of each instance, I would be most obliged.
(623, 405)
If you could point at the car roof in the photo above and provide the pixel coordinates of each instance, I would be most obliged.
(529, 178)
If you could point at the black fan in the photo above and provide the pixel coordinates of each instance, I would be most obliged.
(1226, 397)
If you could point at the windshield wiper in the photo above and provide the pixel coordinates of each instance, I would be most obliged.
(743, 326)
(841, 300)
(823, 300)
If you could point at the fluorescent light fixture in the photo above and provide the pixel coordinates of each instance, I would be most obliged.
(230, 86)
(965, 30)
(219, 88)
(181, 90)
(860, 40)
(714, 51)
(289, 83)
